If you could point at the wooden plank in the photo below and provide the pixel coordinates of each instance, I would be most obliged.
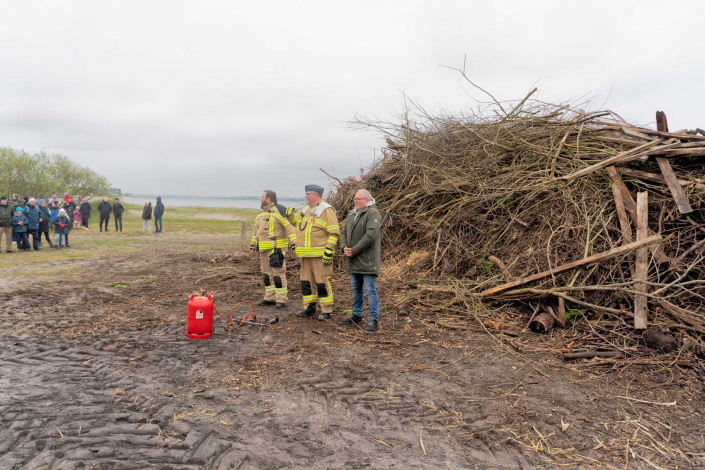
(676, 189)
(641, 308)
(619, 203)
(630, 205)
(611, 127)
(634, 133)
(626, 198)
(620, 157)
(594, 259)
(645, 175)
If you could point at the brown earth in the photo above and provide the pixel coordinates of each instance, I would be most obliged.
(94, 376)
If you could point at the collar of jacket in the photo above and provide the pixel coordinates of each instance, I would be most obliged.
(318, 209)
(268, 208)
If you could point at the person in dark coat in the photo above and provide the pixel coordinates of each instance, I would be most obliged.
(34, 217)
(118, 209)
(62, 225)
(19, 228)
(85, 211)
(158, 213)
(360, 241)
(104, 209)
(45, 222)
(6, 223)
(70, 206)
(147, 217)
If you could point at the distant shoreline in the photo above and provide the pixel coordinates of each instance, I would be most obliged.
(235, 198)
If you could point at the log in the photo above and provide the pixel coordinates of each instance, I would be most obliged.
(594, 259)
(641, 308)
(543, 323)
(590, 354)
(622, 157)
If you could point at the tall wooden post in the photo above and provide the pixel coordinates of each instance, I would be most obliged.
(641, 271)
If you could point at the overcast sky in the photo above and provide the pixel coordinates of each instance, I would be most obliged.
(229, 98)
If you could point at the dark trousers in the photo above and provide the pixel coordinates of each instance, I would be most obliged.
(157, 223)
(118, 218)
(66, 237)
(46, 235)
(22, 241)
(84, 222)
(36, 238)
(102, 219)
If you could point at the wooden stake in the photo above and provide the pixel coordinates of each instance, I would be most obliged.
(594, 259)
(667, 171)
(641, 308)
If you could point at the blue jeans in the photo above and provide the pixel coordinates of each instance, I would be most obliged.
(370, 283)
(157, 223)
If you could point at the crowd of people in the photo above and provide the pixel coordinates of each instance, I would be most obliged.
(22, 218)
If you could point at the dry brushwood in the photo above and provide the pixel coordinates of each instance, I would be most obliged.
(532, 185)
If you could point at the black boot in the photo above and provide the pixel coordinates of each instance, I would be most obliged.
(324, 316)
(351, 319)
(309, 311)
(263, 303)
(372, 325)
(281, 305)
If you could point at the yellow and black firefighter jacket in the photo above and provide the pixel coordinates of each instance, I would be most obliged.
(316, 229)
(272, 230)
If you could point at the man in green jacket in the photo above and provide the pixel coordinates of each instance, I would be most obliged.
(6, 223)
(360, 240)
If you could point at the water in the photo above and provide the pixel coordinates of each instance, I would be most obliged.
(186, 202)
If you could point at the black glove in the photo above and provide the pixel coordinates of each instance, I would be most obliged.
(276, 259)
(328, 256)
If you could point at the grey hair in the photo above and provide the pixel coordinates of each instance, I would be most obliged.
(365, 193)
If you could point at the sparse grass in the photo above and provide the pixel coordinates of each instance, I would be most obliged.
(180, 223)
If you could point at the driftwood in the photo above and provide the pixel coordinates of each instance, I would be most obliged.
(598, 258)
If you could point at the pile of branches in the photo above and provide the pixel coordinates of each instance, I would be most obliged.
(497, 197)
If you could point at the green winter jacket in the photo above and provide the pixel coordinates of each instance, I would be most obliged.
(363, 236)
(6, 213)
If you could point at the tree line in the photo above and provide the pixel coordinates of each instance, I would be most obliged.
(41, 174)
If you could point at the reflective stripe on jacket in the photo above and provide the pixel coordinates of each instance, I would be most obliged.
(316, 229)
(271, 230)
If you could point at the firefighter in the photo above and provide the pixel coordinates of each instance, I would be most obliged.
(317, 234)
(271, 237)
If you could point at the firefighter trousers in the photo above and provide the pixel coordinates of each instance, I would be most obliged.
(315, 283)
(275, 287)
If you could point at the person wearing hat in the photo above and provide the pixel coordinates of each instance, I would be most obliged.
(61, 227)
(35, 218)
(19, 228)
(317, 234)
(45, 222)
(6, 223)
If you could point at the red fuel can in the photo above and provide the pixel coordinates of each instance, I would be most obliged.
(199, 317)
